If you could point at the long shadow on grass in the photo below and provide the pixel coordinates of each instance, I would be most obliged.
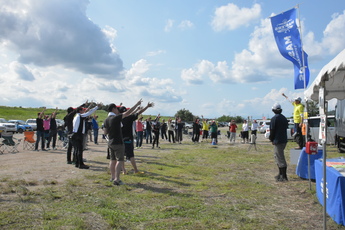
(166, 179)
(160, 164)
(137, 157)
(169, 191)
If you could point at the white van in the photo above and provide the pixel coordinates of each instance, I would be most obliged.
(263, 125)
(314, 125)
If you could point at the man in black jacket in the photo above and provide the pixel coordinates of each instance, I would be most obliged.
(40, 130)
(278, 137)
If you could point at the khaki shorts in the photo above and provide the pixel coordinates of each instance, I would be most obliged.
(117, 152)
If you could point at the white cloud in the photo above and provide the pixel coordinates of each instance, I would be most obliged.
(155, 89)
(58, 33)
(334, 34)
(110, 33)
(261, 61)
(139, 68)
(155, 53)
(231, 17)
(169, 24)
(186, 24)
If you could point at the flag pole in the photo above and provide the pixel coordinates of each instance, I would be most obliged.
(301, 38)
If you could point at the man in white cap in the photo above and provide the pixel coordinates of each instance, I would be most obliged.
(297, 119)
(278, 137)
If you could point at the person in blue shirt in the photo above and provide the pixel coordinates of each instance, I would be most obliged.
(278, 137)
(95, 128)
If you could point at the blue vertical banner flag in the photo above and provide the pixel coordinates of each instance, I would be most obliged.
(289, 43)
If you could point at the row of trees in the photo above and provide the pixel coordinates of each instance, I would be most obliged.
(186, 115)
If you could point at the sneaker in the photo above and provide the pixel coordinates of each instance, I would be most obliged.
(47, 148)
(118, 182)
(44, 150)
(69, 162)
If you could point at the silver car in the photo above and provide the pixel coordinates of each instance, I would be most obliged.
(32, 123)
(10, 127)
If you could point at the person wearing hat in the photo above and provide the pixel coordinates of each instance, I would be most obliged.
(112, 128)
(297, 119)
(278, 137)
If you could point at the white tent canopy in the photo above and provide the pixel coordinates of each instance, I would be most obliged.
(332, 81)
(333, 77)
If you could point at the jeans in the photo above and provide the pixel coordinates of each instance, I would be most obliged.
(39, 135)
(95, 136)
(148, 134)
(139, 138)
(52, 135)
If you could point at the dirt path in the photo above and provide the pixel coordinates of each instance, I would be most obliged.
(48, 166)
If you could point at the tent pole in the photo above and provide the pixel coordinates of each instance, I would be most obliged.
(323, 106)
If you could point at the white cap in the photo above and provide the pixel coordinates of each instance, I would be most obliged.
(298, 99)
(276, 106)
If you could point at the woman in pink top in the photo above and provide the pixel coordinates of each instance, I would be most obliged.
(46, 127)
(140, 130)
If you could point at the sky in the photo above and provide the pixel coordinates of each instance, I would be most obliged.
(212, 58)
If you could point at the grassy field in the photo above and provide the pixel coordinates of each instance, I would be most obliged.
(187, 186)
(18, 113)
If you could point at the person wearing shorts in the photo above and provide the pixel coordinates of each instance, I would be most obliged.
(112, 128)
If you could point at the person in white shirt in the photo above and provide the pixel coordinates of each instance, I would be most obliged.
(78, 134)
(254, 127)
(245, 132)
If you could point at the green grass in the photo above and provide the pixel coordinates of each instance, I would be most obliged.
(19, 113)
(185, 187)
(188, 186)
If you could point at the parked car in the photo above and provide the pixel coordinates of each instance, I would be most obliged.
(32, 123)
(265, 125)
(188, 125)
(21, 126)
(289, 132)
(10, 127)
(60, 123)
(2, 129)
(223, 124)
(314, 125)
(314, 129)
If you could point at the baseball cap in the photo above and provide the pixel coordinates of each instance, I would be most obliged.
(276, 106)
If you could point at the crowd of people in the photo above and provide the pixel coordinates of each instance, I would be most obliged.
(126, 130)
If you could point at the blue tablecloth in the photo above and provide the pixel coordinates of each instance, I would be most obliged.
(335, 190)
(302, 165)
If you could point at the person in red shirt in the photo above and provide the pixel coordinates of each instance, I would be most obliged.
(232, 129)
